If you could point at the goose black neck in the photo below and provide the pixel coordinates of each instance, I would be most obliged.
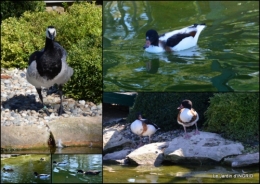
(48, 43)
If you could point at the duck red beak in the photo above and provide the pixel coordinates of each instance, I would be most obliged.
(147, 44)
(181, 107)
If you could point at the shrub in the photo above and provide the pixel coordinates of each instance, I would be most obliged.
(234, 115)
(161, 108)
(85, 58)
(79, 31)
(17, 8)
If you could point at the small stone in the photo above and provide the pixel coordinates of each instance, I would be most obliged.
(7, 81)
(82, 102)
(46, 118)
(94, 107)
(65, 115)
(22, 75)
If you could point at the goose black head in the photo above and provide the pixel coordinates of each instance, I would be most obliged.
(51, 32)
(185, 104)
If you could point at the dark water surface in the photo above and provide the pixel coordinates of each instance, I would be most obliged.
(226, 58)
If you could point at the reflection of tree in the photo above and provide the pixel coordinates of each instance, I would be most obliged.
(152, 66)
(125, 18)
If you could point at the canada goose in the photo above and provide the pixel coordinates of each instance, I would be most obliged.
(48, 67)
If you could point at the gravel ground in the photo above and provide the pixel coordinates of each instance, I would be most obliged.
(20, 103)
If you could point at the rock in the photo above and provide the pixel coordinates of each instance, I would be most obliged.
(243, 160)
(151, 154)
(113, 139)
(203, 147)
(82, 102)
(118, 156)
(77, 131)
(23, 137)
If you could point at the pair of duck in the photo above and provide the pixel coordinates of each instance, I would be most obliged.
(89, 172)
(187, 117)
(8, 170)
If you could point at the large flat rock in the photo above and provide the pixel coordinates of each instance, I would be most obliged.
(117, 156)
(113, 139)
(243, 160)
(150, 154)
(206, 146)
(77, 131)
(24, 137)
(74, 131)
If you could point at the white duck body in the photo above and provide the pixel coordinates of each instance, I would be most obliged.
(186, 116)
(41, 176)
(142, 129)
(182, 39)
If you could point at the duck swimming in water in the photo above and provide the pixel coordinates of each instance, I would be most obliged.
(41, 176)
(177, 40)
(8, 170)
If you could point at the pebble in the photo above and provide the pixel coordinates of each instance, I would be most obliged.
(21, 106)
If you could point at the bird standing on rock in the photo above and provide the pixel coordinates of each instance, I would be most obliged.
(48, 67)
(187, 117)
(142, 127)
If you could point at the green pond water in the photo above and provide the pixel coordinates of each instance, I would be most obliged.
(226, 58)
(80, 149)
(25, 165)
(68, 173)
(179, 174)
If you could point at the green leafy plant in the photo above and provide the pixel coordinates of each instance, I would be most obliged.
(234, 115)
(86, 59)
(161, 108)
(17, 8)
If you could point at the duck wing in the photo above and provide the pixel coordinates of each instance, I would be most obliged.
(173, 38)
